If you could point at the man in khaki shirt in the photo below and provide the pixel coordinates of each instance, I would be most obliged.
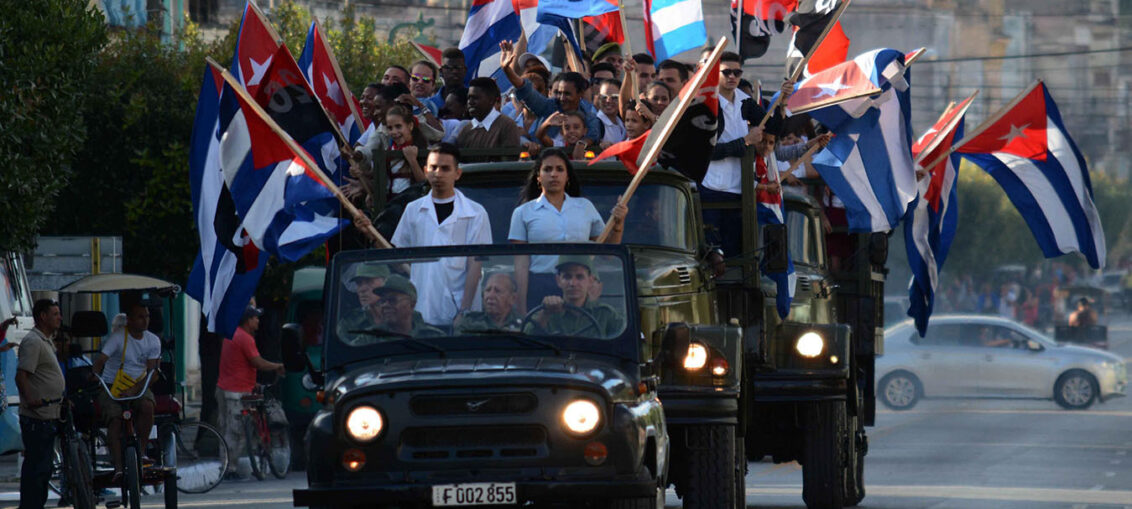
(41, 386)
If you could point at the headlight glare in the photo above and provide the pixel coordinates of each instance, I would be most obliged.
(581, 416)
(810, 344)
(364, 423)
(696, 358)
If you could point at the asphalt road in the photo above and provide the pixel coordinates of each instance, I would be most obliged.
(942, 454)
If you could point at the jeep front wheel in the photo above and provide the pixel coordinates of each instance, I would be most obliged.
(711, 468)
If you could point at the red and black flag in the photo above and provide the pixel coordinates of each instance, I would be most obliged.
(757, 21)
(809, 19)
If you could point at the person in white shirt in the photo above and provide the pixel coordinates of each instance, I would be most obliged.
(444, 218)
(138, 352)
(608, 102)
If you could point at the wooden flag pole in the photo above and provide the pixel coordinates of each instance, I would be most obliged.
(372, 232)
(665, 130)
(938, 138)
(627, 51)
(805, 157)
(986, 123)
(346, 94)
(806, 60)
(572, 58)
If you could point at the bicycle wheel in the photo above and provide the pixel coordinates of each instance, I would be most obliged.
(202, 457)
(79, 475)
(132, 477)
(252, 446)
(279, 454)
(56, 481)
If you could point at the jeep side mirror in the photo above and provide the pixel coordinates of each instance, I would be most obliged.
(878, 248)
(290, 342)
(677, 337)
(776, 249)
(309, 383)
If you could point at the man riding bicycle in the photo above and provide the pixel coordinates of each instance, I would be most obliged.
(239, 360)
(124, 363)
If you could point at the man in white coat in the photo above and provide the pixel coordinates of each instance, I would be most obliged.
(444, 218)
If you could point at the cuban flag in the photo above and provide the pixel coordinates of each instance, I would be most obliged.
(255, 47)
(1030, 154)
(228, 267)
(321, 71)
(868, 164)
(539, 36)
(768, 209)
(489, 23)
(285, 208)
(673, 27)
(930, 225)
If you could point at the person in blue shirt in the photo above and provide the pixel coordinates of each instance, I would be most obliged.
(566, 91)
(553, 210)
(452, 70)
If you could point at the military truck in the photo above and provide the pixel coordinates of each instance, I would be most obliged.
(734, 384)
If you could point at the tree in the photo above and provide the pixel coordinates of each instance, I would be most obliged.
(47, 55)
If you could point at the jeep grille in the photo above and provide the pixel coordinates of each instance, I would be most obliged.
(486, 404)
(434, 443)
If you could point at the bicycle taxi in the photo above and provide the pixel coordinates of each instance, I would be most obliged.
(189, 456)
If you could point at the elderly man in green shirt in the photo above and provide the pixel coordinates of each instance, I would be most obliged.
(396, 300)
(499, 295)
(570, 314)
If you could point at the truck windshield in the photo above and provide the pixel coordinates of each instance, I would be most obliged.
(804, 234)
(417, 303)
(659, 215)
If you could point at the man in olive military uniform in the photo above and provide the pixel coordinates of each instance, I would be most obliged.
(396, 301)
(366, 278)
(575, 277)
(499, 295)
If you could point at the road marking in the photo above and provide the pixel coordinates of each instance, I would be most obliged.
(1114, 462)
(1090, 413)
(1097, 487)
(1119, 448)
(1041, 495)
(1121, 452)
(225, 502)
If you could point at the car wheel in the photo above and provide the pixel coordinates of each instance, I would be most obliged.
(1075, 390)
(900, 390)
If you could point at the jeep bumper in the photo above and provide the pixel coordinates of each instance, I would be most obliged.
(526, 491)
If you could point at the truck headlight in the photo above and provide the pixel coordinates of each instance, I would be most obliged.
(810, 344)
(364, 423)
(696, 358)
(581, 416)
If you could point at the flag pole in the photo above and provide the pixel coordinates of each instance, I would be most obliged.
(372, 232)
(632, 77)
(270, 29)
(665, 131)
(938, 138)
(346, 94)
(806, 60)
(738, 31)
(805, 157)
(986, 123)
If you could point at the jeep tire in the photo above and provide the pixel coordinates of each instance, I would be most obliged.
(824, 456)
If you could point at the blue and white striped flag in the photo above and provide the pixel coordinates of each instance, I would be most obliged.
(673, 27)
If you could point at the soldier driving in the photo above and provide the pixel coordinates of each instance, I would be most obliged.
(396, 300)
(571, 313)
(499, 296)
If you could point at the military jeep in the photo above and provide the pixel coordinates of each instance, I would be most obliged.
(556, 408)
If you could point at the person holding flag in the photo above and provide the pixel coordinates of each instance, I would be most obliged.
(566, 91)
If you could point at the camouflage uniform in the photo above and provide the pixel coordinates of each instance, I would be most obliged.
(480, 320)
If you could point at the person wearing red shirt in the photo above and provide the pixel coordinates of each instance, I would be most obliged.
(239, 361)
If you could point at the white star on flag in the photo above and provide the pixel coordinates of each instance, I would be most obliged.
(927, 134)
(333, 90)
(831, 89)
(1015, 132)
(259, 70)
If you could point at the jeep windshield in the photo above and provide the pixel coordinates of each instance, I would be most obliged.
(412, 301)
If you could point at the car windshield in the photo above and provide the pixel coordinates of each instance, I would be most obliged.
(419, 303)
(659, 215)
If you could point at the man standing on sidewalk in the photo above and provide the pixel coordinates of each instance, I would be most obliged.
(41, 386)
(239, 360)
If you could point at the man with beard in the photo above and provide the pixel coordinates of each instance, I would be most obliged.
(499, 295)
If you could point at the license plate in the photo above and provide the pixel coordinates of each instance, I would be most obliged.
(477, 493)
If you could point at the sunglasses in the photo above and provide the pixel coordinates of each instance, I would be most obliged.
(735, 73)
(417, 77)
(607, 97)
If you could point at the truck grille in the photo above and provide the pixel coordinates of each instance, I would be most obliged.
(510, 403)
(684, 275)
(435, 443)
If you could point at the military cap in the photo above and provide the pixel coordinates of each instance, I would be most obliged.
(583, 260)
(605, 49)
(372, 270)
(397, 283)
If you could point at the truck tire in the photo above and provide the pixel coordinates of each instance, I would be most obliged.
(740, 473)
(823, 468)
(855, 467)
(711, 467)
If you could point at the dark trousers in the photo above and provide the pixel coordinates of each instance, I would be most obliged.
(39, 444)
(728, 223)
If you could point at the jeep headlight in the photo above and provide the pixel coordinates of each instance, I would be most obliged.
(364, 423)
(581, 416)
(810, 344)
(696, 358)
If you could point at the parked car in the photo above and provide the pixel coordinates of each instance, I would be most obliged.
(977, 356)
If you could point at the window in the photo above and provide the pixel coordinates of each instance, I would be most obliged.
(802, 234)
(938, 335)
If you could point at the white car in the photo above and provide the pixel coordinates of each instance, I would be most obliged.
(979, 356)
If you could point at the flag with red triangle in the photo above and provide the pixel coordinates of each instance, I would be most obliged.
(321, 71)
(255, 47)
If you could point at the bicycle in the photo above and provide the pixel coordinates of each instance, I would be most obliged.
(76, 469)
(196, 449)
(134, 472)
(266, 448)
